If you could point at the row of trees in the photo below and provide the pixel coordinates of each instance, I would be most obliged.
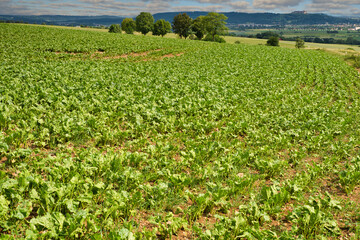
(270, 34)
(349, 40)
(208, 27)
(143, 23)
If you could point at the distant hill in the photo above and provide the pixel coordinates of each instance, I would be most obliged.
(64, 20)
(234, 18)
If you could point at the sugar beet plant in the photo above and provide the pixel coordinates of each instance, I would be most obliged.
(106, 136)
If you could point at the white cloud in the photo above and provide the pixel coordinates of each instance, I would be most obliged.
(211, 8)
(343, 2)
(334, 7)
(241, 6)
(274, 4)
(213, 1)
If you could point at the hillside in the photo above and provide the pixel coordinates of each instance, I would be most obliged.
(63, 20)
(234, 19)
(115, 136)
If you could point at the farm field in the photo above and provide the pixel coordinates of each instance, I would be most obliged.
(321, 33)
(114, 136)
(338, 49)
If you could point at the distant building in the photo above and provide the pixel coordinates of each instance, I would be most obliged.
(354, 29)
(299, 12)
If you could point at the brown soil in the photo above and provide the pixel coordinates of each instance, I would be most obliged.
(142, 219)
(313, 160)
(171, 55)
(183, 235)
(3, 159)
(141, 54)
(97, 55)
(70, 53)
(354, 196)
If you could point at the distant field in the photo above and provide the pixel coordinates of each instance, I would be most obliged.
(303, 33)
(333, 48)
(115, 136)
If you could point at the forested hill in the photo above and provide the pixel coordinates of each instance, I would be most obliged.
(63, 20)
(234, 18)
(269, 18)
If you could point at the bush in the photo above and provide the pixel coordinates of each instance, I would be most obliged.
(192, 37)
(354, 59)
(273, 41)
(216, 38)
(115, 28)
(237, 42)
(299, 43)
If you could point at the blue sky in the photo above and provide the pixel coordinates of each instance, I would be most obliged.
(132, 8)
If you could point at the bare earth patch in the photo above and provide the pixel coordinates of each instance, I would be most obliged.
(3, 159)
(99, 55)
(171, 55)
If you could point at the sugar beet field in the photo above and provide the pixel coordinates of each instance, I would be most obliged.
(114, 136)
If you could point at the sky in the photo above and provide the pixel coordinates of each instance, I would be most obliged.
(133, 8)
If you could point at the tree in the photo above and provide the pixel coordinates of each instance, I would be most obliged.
(299, 43)
(115, 28)
(318, 40)
(144, 22)
(182, 24)
(267, 35)
(161, 27)
(215, 24)
(198, 27)
(273, 41)
(128, 25)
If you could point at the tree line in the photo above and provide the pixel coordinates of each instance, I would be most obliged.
(207, 28)
(270, 34)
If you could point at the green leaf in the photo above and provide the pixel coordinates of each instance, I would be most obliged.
(4, 206)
